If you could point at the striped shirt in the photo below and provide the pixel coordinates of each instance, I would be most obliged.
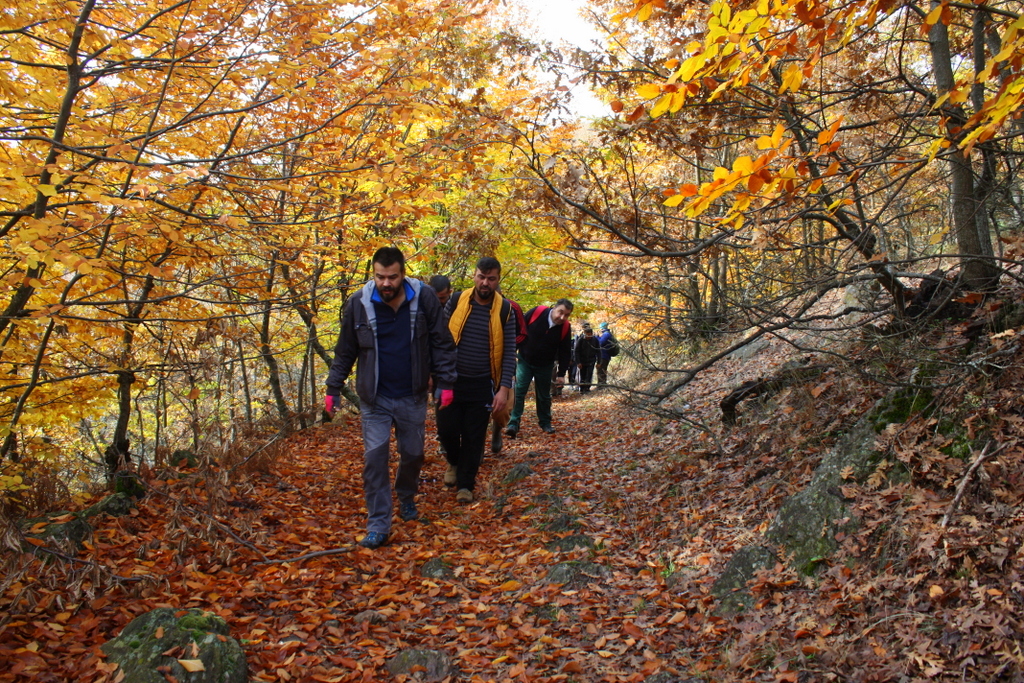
(473, 357)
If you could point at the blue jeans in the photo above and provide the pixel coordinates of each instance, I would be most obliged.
(408, 416)
(541, 377)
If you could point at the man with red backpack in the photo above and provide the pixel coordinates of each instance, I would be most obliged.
(548, 340)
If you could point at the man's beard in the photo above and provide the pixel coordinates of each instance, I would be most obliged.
(388, 294)
(485, 295)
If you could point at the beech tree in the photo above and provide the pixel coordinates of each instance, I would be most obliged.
(191, 188)
(767, 153)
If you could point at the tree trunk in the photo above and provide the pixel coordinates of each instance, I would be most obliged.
(268, 356)
(979, 273)
(245, 382)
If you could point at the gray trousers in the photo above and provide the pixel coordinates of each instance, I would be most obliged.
(408, 416)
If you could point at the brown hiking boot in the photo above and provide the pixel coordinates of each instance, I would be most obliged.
(464, 496)
(451, 476)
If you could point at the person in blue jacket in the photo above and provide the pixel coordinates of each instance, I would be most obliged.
(608, 344)
(395, 332)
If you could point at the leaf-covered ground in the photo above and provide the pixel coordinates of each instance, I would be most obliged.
(647, 513)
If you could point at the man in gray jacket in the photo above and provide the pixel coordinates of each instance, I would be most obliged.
(395, 332)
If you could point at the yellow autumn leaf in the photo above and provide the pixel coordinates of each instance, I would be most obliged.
(661, 106)
(792, 79)
(192, 665)
(674, 200)
(47, 190)
(648, 91)
(743, 165)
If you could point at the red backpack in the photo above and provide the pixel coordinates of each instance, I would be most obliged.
(540, 310)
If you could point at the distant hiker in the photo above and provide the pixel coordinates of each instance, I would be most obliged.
(573, 375)
(587, 350)
(395, 331)
(609, 349)
(548, 339)
(443, 286)
(483, 325)
(500, 419)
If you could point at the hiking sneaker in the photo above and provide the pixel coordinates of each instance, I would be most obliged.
(451, 477)
(549, 429)
(464, 496)
(408, 512)
(496, 440)
(373, 540)
(511, 432)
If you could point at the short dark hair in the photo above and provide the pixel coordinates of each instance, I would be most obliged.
(563, 302)
(389, 256)
(488, 263)
(440, 283)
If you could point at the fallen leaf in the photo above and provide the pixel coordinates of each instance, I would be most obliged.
(192, 665)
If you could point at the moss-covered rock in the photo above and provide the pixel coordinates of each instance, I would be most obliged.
(731, 587)
(899, 406)
(571, 542)
(63, 528)
(129, 484)
(808, 521)
(139, 649)
(518, 472)
(184, 459)
(436, 568)
(436, 666)
(115, 505)
(575, 573)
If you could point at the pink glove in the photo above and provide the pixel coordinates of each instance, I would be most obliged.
(329, 404)
(447, 396)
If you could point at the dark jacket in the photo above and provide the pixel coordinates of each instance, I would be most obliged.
(544, 344)
(587, 350)
(433, 351)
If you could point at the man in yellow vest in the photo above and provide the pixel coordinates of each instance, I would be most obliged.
(484, 329)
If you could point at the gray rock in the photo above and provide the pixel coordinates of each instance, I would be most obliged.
(139, 653)
(116, 505)
(575, 573)
(518, 472)
(184, 458)
(562, 522)
(436, 568)
(750, 350)
(569, 543)
(731, 586)
(72, 532)
(682, 579)
(549, 500)
(666, 677)
(808, 521)
(130, 484)
(437, 665)
(372, 616)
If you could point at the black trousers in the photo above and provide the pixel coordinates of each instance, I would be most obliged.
(586, 376)
(462, 430)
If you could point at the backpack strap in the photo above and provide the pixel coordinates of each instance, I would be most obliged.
(537, 312)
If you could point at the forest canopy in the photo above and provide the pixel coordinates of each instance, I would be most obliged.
(193, 189)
